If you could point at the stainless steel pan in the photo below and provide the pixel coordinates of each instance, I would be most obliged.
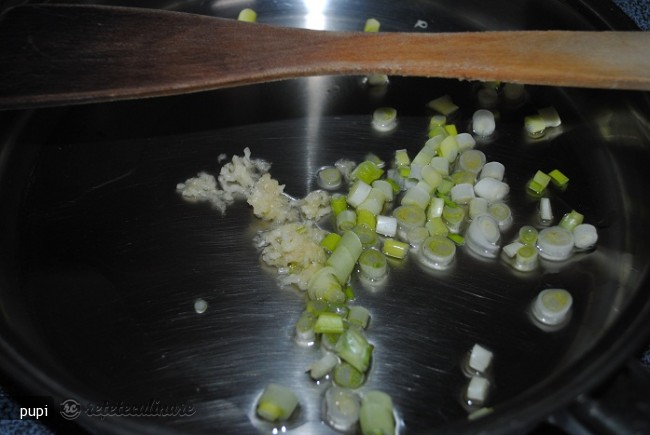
(102, 260)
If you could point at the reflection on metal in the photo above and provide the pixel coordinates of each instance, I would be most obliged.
(315, 17)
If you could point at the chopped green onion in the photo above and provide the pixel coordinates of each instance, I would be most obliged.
(460, 177)
(353, 348)
(375, 159)
(247, 15)
(526, 258)
(415, 236)
(376, 414)
(367, 236)
(373, 265)
(386, 188)
(402, 158)
(372, 25)
(423, 157)
(539, 183)
(443, 105)
(477, 207)
(366, 218)
(409, 216)
(482, 412)
(552, 306)
(384, 118)
(358, 193)
(395, 249)
(483, 236)
(347, 376)
(502, 214)
(325, 285)
(494, 170)
(316, 306)
(342, 408)
(528, 235)
(545, 211)
(514, 93)
(394, 185)
(386, 226)
(367, 172)
(535, 126)
(555, 243)
(374, 202)
(462, 193)
(437, 252)
(328, 341)
(437, 131)
(488, 98)
(441, 165)
(454, 217)
(558, 178)
(445, 186)
(437, 121)
(346, 220)
(435, 208)
(457, 239)
(431, 176)
(377, 79)
(477, 390)
(437, 227)
(277, 402)
(342, 261)
(585, 236)
(305, 333)
(491, 189)
(418, 196)
(330, 241)
(571, 220)
(471, 161)
(451, 129)
(483, 123)
(465, 142)
(319, 369)
(479, 359)
(449, 148)
(329, 178)
(359, 316)
(352, 243)
(550, 116)
(349, 293)
(338, 203)
(511, 249)
(329, 323)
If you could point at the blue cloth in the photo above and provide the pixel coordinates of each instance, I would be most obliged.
(637, 10)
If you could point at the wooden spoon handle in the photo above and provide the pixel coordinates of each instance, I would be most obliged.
(64, 54)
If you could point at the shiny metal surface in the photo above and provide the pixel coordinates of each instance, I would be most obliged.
(104, 260)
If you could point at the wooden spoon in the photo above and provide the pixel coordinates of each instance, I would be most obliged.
(65, 54)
